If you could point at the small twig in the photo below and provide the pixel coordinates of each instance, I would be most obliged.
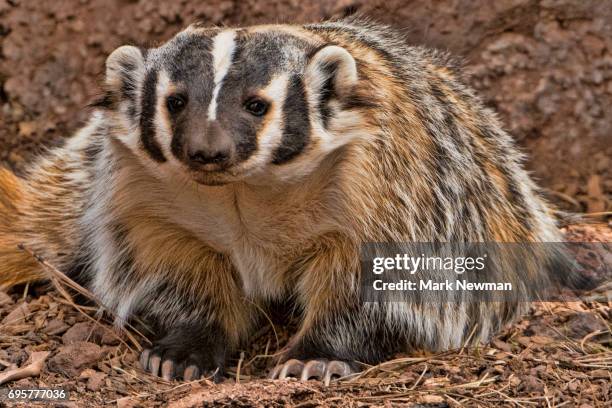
(268, 319)
(419, 379)
(397, 361)
(598, 214)
(239, 367)
(588, 337)
(93, 327)
(509, 398)
(25, 291)
(151, 394)
(566, 198)
(469, 338)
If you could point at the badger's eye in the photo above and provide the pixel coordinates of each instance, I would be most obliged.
(256, 106)
(176, 103)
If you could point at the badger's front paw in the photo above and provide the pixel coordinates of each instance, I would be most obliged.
(186, 353)
(319, 369)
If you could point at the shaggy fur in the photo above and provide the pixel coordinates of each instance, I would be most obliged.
(363, 139)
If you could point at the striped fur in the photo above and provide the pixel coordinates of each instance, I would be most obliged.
(365, 139)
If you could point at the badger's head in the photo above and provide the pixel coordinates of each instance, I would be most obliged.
(223, 105)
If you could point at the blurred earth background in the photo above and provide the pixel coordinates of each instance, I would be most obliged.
(544, 65)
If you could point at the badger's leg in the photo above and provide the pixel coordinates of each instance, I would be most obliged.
(193, 305)
(337, 331)
(201, 319)
(194, 335)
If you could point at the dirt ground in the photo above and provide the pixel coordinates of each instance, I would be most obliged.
(544, 65)
(560, 354)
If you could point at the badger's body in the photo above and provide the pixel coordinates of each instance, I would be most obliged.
(230, 168)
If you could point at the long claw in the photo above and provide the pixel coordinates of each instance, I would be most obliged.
(191, 373)
(291, 368)
(313, 369)
(336, 369)
(144, 359)
(154, 363)
(323, 370)
(167, 370)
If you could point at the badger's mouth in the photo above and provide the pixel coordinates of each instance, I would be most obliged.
(218, 176)
(234, 172)
(213, 177)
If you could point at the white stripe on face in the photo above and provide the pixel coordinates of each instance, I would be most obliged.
(222, 51)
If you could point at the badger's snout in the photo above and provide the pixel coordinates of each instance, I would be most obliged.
(212, 149)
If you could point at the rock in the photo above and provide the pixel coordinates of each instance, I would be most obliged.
(531, 384)
(78, 333)
(86, 374)
(108, 337)
(96, 381)
(85, 331)
(74, 358)
(541, 340)
(501, 345)
(56, 327)
(17, 315)
(581, 324)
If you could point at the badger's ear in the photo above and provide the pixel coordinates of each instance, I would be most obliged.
(123, 67)
(332, 71)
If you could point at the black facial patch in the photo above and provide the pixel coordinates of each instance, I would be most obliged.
(178, 139)
(189, 64)
(296, 132)
(190, 61)
(147, 117)
(246, 143)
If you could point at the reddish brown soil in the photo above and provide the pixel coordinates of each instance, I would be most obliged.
(545, 65)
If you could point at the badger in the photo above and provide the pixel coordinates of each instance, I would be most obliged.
(230, 169)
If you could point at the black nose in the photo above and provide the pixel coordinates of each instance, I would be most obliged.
(213, 147)
(201, 157)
